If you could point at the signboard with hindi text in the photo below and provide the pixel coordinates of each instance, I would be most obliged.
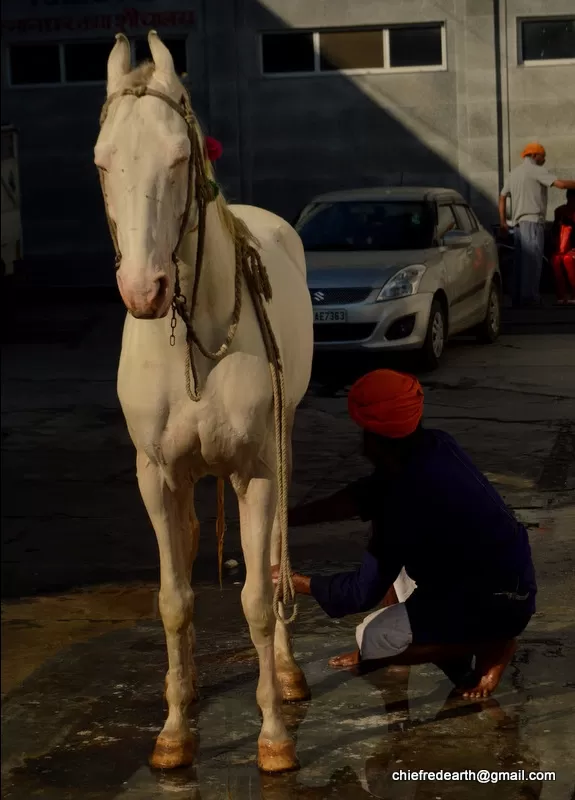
(66, 19)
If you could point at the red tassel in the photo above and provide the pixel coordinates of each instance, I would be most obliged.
(214, 148)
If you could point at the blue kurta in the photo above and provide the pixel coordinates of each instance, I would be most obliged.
(443, 521)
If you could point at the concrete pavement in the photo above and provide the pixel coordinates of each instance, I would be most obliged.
(83, 653)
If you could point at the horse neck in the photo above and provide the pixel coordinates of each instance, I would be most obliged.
(215, 297)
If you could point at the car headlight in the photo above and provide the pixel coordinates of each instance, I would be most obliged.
(404, 283)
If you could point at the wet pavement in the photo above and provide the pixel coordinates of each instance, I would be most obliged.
(83, 653)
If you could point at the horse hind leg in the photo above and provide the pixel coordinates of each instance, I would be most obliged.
(168, 509)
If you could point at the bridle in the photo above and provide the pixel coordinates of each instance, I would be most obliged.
(206, 191)
(248, 269)
(184, 109)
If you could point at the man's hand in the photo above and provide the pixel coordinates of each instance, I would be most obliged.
(564, 184)
(301, 582)
(503, 226)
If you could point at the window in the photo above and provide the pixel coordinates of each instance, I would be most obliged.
(77, 62)
(287, 52)
(445, 221)
(177, 48)
(34, 64)
(416, 46)
(367, 225)
(351, 50)
(465, 219)
(86, 63)
(474, 218)
(406, 47)
(551, 39)
(8, 150)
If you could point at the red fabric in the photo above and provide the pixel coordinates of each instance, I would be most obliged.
(564, 225)
(564, 238)
(214, 148)
(533, 149)
(386, 402)
(564, 271)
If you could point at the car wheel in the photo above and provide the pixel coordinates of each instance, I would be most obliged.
(436, 337)
(488, 331)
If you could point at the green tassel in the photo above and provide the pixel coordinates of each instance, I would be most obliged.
(215, 189)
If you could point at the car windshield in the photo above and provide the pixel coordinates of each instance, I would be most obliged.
(370, 225)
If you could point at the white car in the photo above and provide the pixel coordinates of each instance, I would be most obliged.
(399, 268)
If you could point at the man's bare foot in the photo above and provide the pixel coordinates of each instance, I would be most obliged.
(345, 661)
(491, 664)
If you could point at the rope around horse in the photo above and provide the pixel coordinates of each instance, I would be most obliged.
(249, 266)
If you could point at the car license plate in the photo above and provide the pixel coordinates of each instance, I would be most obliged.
(329, 316)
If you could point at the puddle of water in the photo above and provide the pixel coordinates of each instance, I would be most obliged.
(36, 629)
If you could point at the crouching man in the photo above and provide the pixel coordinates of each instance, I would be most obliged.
(460, 560)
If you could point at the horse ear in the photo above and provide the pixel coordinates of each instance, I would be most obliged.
(119, 63)
(163, 60)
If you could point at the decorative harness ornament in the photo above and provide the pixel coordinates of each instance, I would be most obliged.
(249, 267)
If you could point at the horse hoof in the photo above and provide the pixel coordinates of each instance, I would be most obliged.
(293, 686)
(274, 757)
(173, 753)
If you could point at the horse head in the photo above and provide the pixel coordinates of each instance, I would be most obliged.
(146, 161)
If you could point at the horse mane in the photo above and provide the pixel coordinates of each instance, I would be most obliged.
(235, 227)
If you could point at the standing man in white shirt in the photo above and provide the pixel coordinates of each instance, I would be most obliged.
(527, 186)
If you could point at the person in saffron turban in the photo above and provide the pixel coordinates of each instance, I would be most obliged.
(527, 186)
(448, 565)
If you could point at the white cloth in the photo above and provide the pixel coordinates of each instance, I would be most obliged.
(403, 586)
(387, 631)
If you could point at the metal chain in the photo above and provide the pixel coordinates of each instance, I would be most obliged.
(173, 324)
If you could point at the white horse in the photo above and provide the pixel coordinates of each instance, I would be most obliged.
(150, 156)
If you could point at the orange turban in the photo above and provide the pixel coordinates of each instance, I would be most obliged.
(533, 149)
(387, 403)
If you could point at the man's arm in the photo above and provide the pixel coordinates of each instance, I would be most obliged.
(548, 179)
(503, 212)
(337, 507)
(349, 592)
(563, 184)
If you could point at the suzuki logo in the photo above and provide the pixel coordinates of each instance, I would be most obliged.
(319, 297)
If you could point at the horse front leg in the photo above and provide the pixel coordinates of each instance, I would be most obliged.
(257, 505)
(169, 511)
(291, 678)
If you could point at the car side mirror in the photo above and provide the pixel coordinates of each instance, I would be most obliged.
(457, 238)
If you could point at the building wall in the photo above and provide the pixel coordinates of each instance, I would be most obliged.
(336, 131)
(62, 206)
(286, 139)
(540, 101)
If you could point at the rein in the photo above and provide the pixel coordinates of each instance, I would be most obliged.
(248, 268)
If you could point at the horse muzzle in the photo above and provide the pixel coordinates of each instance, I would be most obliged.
(152, 302)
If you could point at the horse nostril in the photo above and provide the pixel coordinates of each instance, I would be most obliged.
(162, 289)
